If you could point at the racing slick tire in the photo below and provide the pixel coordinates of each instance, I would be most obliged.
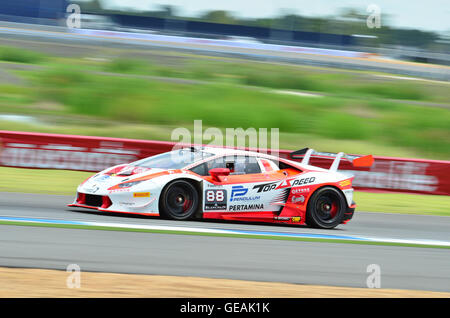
(326, 208)
(179, 200)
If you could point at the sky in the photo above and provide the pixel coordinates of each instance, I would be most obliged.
(430, 15)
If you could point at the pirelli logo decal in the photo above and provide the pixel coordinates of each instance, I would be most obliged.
(141, 194)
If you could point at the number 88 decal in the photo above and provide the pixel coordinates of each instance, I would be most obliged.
(215, 195)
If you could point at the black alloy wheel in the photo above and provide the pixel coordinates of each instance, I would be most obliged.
(326, 208)
(179, 200)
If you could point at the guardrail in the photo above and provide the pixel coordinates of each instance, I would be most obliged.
(71, 152)
(218, 43)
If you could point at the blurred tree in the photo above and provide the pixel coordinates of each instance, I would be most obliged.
(92, 6)
(406, 37)
(218, 16)
(351, 14)
(288, 22)
(349, 21)
(166, 12)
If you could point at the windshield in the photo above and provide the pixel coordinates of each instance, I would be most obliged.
(176, 159)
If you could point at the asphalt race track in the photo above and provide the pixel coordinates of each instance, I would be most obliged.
(337, 264)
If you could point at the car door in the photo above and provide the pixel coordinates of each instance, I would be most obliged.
(266, 186)
(250, 189)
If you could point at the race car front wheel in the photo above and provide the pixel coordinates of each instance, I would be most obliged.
(326, 208)
(179, 200)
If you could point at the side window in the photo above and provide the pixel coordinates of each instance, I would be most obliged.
(246, 165)
(237, 165)
(201, 169)
(217, 163)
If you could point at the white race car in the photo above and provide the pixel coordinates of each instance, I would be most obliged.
(218, 183)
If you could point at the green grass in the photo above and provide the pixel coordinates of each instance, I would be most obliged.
(43, 181)
(343, 83)
(123, 65)
(420, 128)
(328, 121)
(284, 77)
(398, 91)
(18, 55)
(354, 116)
(403, 203)
(64, 182)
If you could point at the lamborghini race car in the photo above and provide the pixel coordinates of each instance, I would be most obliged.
(227, 184)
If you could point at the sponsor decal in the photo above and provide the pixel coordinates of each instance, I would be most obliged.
(345, 183)
(119, 190)
(245, 207)
(300, 190)
(294, 219)
(238, 191)
(282, 218)
(284, 184)
(303, 181)
(256, 197)
(215, 200)
(300, 199)
(292, 183)
(238, 194)
(141, 194)
(127, 203)
(265, 187)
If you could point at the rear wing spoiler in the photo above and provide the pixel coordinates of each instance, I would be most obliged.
(357, 161)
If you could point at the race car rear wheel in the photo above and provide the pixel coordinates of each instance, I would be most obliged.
(326, 208)
(179, 200)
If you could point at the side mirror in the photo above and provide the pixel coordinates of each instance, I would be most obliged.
(216, 173)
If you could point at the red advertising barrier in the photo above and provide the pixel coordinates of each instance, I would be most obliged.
(51, 151)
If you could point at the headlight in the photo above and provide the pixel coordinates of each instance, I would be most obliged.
(128, 184)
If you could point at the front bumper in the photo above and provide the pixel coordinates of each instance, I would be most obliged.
(93, 200)
(105, 203)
